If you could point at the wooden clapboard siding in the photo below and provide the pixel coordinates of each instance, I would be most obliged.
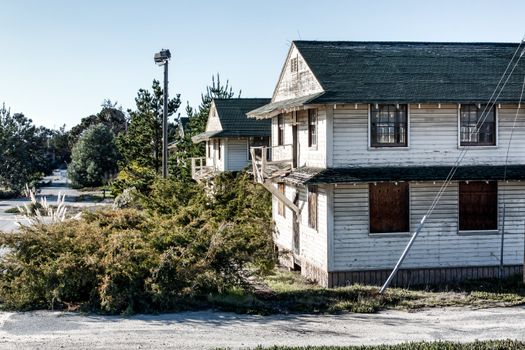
(295, 84)
(213, 123)
(433, 138)
(237, 156)
(313, 243)
(439, 244)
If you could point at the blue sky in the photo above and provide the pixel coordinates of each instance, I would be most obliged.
(60, 59)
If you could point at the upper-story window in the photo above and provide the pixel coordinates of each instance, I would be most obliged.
(477, 125)
(280, 130)
(294, 65)
(388, 125)
(312, 127)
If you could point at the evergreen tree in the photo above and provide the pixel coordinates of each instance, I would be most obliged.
(142, 143)
(22, 150)
(94, 157)
(186, 149)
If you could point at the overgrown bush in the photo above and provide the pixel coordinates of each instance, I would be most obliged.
(182, 247)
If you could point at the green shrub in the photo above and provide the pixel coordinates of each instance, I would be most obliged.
(182, 247)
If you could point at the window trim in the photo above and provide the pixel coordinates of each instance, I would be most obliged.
(281, 208)
(314, 190)
(480, 232)
(311, 144)
(473, 146)
(386, 147)
(391, 234)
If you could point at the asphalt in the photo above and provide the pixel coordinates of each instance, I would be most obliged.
(209, 330)
(9, 222)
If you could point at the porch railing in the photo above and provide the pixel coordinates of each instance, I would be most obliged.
(199, 169)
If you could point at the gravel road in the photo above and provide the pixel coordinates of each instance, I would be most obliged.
(208, 330)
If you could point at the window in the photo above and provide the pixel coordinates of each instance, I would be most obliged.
(389, 207)
(312, 207)
(208, 144)
(263, 141)
(388, 126)
(280, 130)
(312, 127)
(281, 209)
(477, 125)
(219, 149)
(478, 206)
(294, 65)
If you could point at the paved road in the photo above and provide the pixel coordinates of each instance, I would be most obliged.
(208, 330)
(8, 222)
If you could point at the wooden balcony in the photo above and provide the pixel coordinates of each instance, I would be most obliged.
(200, 171)
(270, 163)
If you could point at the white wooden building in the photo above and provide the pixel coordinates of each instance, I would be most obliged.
(364, 135)
(229, 135)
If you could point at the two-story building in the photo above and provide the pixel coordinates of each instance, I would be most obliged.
(229, 135)
(364, 136)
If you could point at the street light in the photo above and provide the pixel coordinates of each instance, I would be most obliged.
(161, 59)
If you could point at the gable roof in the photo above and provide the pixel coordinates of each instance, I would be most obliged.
(406, 72)
(411, 72)
(232, 115)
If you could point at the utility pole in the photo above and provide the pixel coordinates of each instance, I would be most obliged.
(162, 58)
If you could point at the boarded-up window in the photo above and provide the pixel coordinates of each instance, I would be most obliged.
(312, 207)
(389, 126)
(280, 130)
(478, 206)
(280, 208)
(312, 127)
(389, 207)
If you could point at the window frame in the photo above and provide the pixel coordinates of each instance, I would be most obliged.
(475, 145)
(313, 193)
(280, 129)
(281, 208)
(409, 212)
(478, 231)
(313, 133)
(378, 146)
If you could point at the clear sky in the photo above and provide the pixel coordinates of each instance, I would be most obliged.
(60, 59)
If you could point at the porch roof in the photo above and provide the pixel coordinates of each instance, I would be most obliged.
(314, 176)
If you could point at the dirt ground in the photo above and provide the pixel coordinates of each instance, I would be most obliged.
(208, 330)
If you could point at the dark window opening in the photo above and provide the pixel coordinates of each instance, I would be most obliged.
(219, 149)
(389, 207)
(263, 141)
(477, 125)
(280, 130)
(478, 206)
(389, 126)
(312, 207)
(312, 127)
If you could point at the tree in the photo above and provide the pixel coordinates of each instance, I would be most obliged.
(94, 157)
(142, 143)
(196, 125)
(109, 115)
(22, 151)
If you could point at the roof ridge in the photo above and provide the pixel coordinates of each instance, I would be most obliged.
(384, 42)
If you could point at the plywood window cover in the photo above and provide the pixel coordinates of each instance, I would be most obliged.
(389, 207)
(478, 206)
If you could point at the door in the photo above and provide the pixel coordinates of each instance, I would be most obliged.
(296, 244)
(294, 146)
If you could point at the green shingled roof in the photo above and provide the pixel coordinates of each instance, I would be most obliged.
(410, 72)
(311, 176)
(232, 114)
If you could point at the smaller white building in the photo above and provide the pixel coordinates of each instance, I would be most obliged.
(229, 135)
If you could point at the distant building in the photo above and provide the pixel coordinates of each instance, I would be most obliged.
(229, 135)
